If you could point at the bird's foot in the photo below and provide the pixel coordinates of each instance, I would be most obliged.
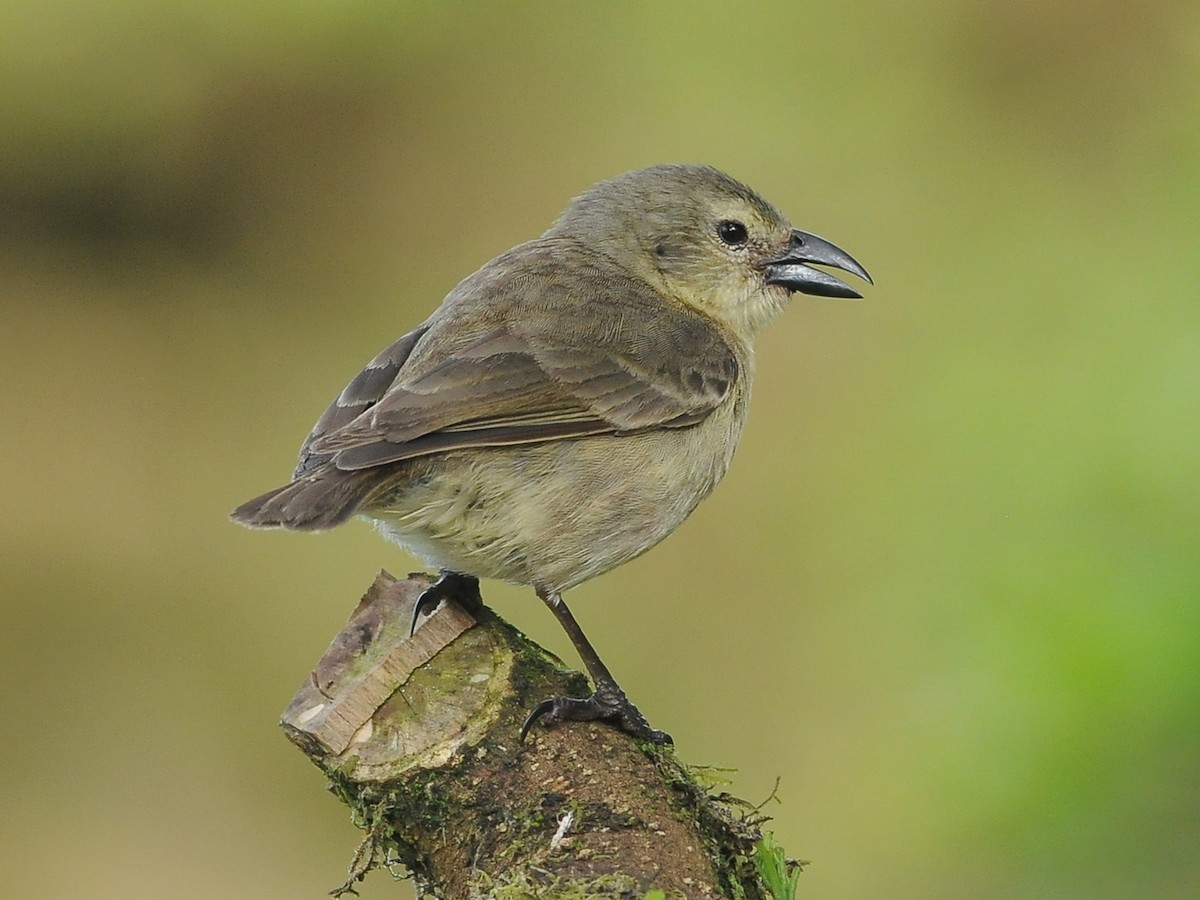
(608, 702)
(449, 586)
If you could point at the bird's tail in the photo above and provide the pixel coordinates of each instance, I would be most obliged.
(315, 501)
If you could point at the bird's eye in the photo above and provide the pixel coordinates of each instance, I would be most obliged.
(732, 232)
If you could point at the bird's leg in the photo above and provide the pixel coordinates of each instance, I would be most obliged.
(449, 586)
(607, 702)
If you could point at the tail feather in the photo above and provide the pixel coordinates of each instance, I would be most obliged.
(314, 502)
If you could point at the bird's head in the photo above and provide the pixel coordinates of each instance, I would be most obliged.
(708, 241)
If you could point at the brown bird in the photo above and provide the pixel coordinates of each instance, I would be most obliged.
(570, 403)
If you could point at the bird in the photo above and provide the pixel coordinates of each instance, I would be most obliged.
(570, 403)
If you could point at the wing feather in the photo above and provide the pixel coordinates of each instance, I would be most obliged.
(515, 355)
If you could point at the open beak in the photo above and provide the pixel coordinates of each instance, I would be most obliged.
(790, 268)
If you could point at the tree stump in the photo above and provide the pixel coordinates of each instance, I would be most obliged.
(418, 735)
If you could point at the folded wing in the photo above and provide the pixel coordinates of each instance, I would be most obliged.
(514, 356)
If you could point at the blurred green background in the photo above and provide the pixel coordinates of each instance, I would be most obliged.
(949, 591)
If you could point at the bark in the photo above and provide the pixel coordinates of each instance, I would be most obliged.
(419, 737)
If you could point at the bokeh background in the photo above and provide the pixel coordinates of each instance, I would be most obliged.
(948, 594)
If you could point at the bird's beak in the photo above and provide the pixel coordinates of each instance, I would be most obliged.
(789, 269)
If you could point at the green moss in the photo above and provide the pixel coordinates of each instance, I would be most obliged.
(728, 826)
(520, 886)
(779, 873)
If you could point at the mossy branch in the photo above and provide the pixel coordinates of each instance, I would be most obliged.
(418, 736)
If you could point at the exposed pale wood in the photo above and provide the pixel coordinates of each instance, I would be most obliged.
(371, 658)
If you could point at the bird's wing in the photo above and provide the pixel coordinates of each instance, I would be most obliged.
(603, 354)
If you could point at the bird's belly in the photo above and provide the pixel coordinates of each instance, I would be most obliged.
(553, 514)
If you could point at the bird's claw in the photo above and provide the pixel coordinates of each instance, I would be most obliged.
(449, 586)
(608, 702)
